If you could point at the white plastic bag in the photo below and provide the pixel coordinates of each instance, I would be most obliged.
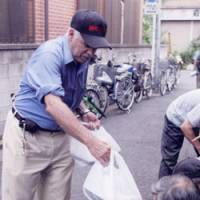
(80, 152)
(114, 182)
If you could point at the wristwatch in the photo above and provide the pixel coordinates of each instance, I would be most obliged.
(83, 112)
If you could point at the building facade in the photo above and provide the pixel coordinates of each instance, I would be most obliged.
(180, 20)
(34, 21)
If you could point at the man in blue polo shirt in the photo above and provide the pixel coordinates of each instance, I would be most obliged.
(36, 135)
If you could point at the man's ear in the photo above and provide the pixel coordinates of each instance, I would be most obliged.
(71, 32)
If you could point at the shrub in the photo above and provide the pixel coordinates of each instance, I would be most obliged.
(188, 55)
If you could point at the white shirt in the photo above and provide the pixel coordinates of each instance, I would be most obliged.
(185, 107)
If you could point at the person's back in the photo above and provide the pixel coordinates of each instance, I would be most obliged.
(178, 109)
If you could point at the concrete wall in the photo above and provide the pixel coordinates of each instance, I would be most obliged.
(181, 32)
(121, 54)
(13, 62)
(11, 69)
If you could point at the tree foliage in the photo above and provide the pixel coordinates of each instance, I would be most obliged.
(189, 53)
(147, 29)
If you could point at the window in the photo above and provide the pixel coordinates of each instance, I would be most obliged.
(16, 21)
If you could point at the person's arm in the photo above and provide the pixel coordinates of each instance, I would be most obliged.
(70, 124)
(188, 132)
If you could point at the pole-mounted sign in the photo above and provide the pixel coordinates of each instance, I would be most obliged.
(151, 7)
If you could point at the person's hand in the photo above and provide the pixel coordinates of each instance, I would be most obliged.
(197, 147)
(100, 150)
(92, 122)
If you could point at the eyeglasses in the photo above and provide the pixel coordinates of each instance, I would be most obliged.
(86, 45)
(89, 47)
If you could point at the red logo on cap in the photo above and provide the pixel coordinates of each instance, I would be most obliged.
(94, 28)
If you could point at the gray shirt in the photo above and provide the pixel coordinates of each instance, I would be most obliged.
(185, 107)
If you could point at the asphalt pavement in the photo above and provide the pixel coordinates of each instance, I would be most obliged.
(138, 134)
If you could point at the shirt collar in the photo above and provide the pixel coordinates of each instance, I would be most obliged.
(66, 50)
(68, 55)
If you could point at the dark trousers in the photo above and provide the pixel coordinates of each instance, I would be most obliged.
(171, 143)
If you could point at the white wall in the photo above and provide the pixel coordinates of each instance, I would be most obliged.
(181, 18)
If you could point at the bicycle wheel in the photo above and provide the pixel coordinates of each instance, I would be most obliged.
(124, 91)
(92, 101)
(103, 95)
(170, 79)
(177, 74)
(148, 85)
(138, 96)
(163, 83)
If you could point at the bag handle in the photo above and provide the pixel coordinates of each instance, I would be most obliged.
(108, 178)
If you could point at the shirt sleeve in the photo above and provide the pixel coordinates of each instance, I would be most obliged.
(194, 116)
(43, 75)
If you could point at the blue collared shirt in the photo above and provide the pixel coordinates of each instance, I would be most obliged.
(50, 70)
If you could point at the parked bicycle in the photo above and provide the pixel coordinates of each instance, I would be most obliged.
(92, 101)
(163, 82)
(169, 75)
(174, 69)
(141, 77)
(114, 85)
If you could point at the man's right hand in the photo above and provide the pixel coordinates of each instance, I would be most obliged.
(188, 132)
(197, 146)
(60, 112)
(99, 149)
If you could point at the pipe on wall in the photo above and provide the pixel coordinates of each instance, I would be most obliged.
(46, 20)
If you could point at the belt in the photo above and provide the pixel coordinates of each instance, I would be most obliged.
(17, 115)
(34, 126)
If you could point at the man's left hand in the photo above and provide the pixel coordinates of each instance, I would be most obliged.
(92, 121)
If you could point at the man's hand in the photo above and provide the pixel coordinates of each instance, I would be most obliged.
(70, 124)
(197, 147)
(99, 149)
(92, 122)
(188, 132)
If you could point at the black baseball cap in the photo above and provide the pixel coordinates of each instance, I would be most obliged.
(92, 28)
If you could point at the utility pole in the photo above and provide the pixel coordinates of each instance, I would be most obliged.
(46, 19)
(152, 8)
(122, 22)
(156, 52)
